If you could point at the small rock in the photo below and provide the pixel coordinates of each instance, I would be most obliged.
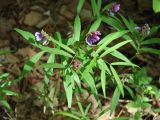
(32, 18)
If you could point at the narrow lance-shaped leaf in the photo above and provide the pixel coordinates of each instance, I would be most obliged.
(119, 55)
(114, 47)
(48, 70)
(118, 81)
(124, 63)
(80, 5)
(108, 39)
(59, 43)
(115, 99)
(95, 25)
(77, 28)
(150, 50)
(27, 35)
(68, 114)
(99, 4)
(112, 22)
(90, 81)
(151, 41)
(68, 89)
(54, 50)
(103, 76)
(29, 65)
(76, 79)
(52, 65)
(95, 8)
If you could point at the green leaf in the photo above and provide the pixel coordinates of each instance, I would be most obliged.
(8, 92)
(137, 115)
(54, 51)
(29, 65)
(95, 25)
(107, 7)
(63, 46)
(99, 4)
(115, 99)
(76, 79)
(58, 37)
(87, 108)
(77, 28)
(121, 118)
(80, 5)
(119, 55)
(64, 113)
(129, 91)
(90, 81)
(119, 82)
(115, 47)
(5, 103)
(68, 89)
(124, 63)
(103, 75)
(80, 106)
(95, 8)
(150, 50)
(112, 22)
(49, 71)
(52, 65)
(108, 39)
(151, 41)
(156, 6)
(27, 35)
(90, 65)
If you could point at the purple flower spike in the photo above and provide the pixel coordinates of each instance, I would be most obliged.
(39, 36)
(93, 37)
(114, 8)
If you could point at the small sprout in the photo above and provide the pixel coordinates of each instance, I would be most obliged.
(145, 29)
(114, 9)
(93, 38)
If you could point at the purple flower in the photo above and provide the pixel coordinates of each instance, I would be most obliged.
(114, 8)
(39, 36)
(93, 37)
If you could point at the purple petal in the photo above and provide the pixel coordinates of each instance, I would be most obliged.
(115, 8)
(38, 36)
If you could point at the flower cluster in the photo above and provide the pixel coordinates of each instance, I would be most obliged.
(40, 37)
(145, 29)
(114, 9)
(93, 37)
